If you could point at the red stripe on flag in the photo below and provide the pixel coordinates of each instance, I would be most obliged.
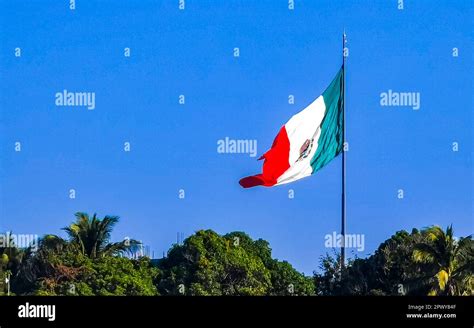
(275, 164)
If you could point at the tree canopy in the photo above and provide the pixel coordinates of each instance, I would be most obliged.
(233, 264)
(427, 262)
(87, 262)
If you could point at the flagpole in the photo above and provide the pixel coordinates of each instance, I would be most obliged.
(343, 201)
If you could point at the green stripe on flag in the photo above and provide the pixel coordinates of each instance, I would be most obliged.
(330, 141)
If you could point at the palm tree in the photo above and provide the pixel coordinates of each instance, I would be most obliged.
(451, 261)
(91, 237)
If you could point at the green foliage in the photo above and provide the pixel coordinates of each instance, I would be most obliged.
(286, 281)
(429, 262)
(91, 236)
(234, 264)
(87, 263)
(106, 276)
(328, 282)
(451, 261)
(208, 264)
(10, 260)
(390, 271)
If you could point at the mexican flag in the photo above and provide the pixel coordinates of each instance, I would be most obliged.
(307, 142)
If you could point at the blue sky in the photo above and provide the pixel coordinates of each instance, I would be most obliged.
(174, 146)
